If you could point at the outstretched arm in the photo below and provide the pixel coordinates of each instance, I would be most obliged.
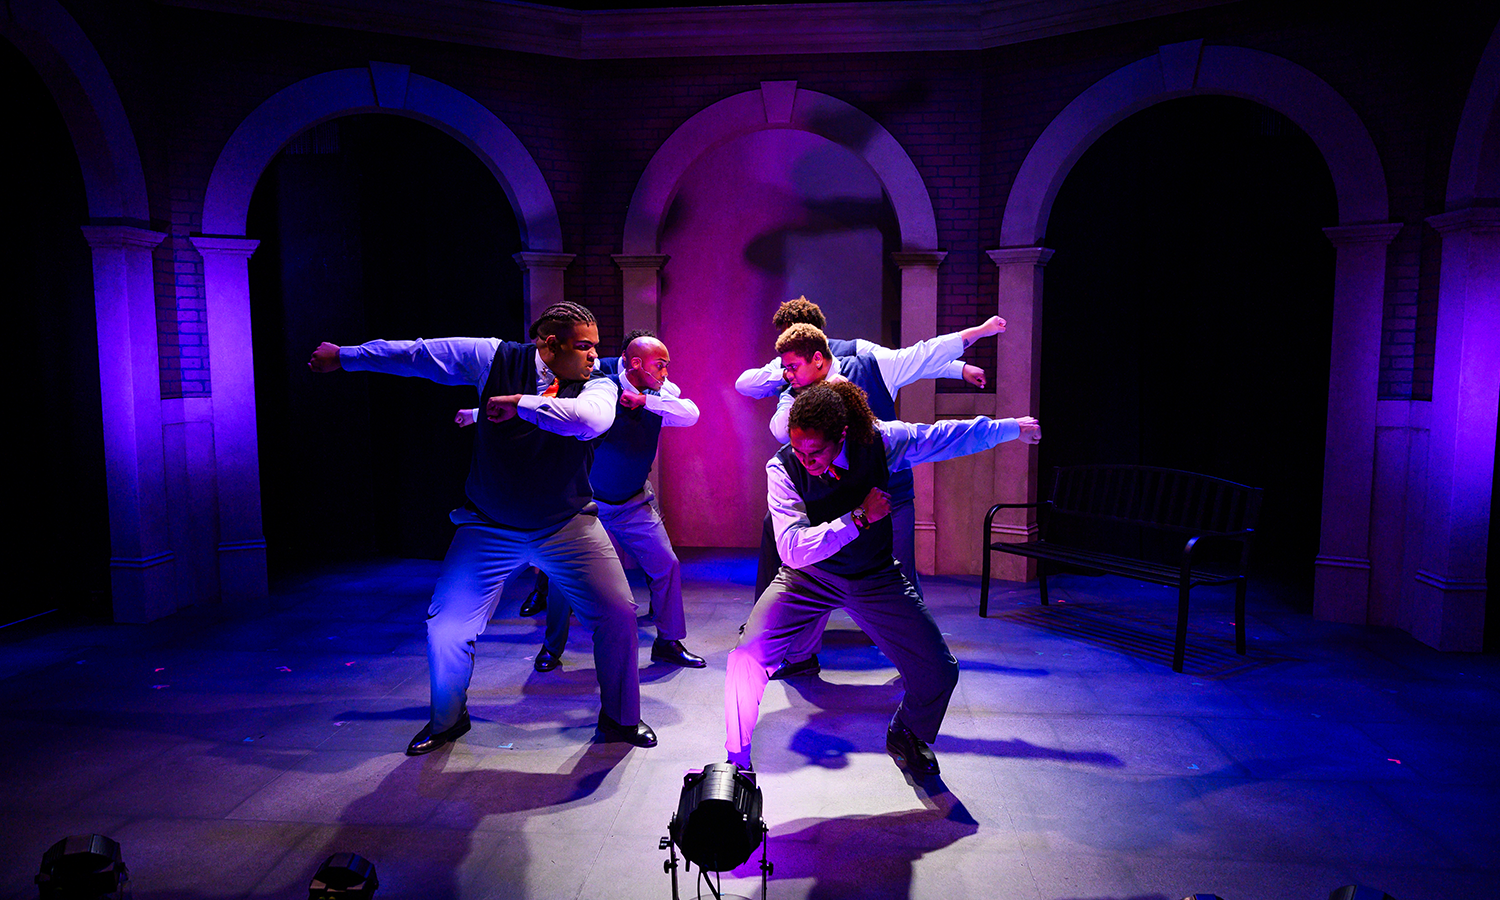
(908, 443)
(444, 360)
(760, 383)
(991, 326)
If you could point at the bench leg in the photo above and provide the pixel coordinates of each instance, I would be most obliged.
(1239, 617)
(1182, 615)
(1041, 577)
(984, 582)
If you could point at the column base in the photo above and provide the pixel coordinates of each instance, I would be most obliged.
(242, 575)
(1341, 589)
(1448, 615)
(143, 590)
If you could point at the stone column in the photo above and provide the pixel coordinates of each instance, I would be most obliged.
(143, 577)
(541, 281)
(1018, 357)
(1449, 596)
(231, 361)
(1341, 585)
(640, 274)
(919, 280)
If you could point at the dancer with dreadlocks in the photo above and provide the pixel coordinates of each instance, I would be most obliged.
(827, 491)
(529, 503)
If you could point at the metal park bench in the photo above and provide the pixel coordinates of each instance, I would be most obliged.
(1130, 521)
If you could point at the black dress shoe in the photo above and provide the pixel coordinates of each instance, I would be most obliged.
(909, 751)
(426, 741)
(639, 734)
(546, 660)
(673, 652)
(534, 604)
(807, 666)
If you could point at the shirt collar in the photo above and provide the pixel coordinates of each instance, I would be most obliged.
(544, 375)
(626, 386)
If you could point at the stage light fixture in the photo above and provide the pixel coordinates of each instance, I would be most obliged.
(83, 867)
(343, 875)
(718, 823)
(1359, 892)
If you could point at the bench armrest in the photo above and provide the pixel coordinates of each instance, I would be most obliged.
(1191, 546)
(989, 517)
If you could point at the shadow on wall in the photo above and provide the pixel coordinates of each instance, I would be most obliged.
(757, 221)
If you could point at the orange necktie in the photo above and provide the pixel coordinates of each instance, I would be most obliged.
(551, 390)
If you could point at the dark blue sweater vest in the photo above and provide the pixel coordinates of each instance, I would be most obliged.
(522, 476)
(864, 371)
(842, 348)
(622, 459)
(828, 499)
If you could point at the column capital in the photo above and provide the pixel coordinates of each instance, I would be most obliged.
(1377, 233)
(640, 260)
(224, 245)
(1471, 218)
(117, 237)
(1019, 256)
(541, 259)
(908, 259)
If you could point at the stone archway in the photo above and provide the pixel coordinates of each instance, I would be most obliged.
(1448, 609)
(1342, 585)
(782, 105)
(383, 87)
(143, 576)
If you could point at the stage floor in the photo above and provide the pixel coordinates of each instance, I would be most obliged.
(229, 752)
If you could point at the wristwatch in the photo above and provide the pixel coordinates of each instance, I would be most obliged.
(858, 515)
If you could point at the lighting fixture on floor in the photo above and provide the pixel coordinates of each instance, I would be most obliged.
(83, 867)
(717, 825)
(343, 875)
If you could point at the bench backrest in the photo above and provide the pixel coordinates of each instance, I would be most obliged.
(1153, 498)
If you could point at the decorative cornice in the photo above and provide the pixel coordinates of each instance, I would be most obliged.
(116, 237)
(806, 28)
(542, 259)
(1443, 583)
(1472, 218)
(1029, 531)
(1020, 256)
(227, 246)
(1342, 562)
(241, 546)
(1378, 233)
(141, 562)
(640, 260)
(929, 259)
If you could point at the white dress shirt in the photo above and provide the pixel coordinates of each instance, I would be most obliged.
(931, 358)
(802, 543)
(467, 361)
(668, 402)
(767, 380)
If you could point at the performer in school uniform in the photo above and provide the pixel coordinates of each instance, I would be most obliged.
(807, 359)
(649, 401)
(828, 494)
(528, 503)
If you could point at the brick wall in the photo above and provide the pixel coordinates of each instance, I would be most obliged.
(188, 78)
